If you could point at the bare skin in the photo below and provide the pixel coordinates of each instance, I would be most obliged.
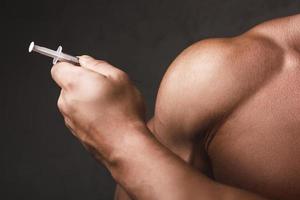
(226, 123)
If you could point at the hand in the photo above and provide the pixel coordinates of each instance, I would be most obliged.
(98, 103)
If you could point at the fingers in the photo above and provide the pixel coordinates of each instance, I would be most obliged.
(98, 66)
(61, 104)
(69, 124)
(65, 74)
(63, 108)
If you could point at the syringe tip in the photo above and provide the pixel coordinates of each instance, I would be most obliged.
(31, 47)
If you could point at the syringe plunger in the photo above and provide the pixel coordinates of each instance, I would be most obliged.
(57, 55)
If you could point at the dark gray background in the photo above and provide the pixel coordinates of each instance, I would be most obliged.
(39, 159)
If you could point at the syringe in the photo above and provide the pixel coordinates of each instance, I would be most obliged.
(57, 55)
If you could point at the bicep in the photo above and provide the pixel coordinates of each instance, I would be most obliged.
(203, 84)
(193, 91)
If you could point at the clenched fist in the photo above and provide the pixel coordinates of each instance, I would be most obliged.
(99, 103)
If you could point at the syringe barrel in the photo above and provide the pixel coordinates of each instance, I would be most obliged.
(68, 58)
(57, 55)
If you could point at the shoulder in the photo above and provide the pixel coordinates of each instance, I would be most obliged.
(211, 77)
(229, 55)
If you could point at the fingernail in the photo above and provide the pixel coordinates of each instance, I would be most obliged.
(85, 57)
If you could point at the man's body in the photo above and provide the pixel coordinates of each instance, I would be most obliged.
(228, 108)
(236, 103)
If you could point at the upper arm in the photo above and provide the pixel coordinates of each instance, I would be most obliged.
(205, 83)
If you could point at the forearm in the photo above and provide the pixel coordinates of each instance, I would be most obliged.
(148, 170)
(120, 193)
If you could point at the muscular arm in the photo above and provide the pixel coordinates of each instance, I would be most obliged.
(203, 84)
(120, 193)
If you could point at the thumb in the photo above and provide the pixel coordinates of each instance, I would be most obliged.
(98, 66)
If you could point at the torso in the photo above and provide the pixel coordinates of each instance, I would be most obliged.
(257, 147)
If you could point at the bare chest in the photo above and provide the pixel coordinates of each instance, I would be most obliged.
(258, 146)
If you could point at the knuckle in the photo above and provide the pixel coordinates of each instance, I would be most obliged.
(121, 75)
(54, 71)
(69, 85)
(66, 121)
(64, 105)
(60, 104)
(101, 62)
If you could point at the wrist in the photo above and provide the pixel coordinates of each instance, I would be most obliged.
(124, 142)
(134, 141)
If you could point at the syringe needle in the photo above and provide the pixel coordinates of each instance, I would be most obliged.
(57, 55)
